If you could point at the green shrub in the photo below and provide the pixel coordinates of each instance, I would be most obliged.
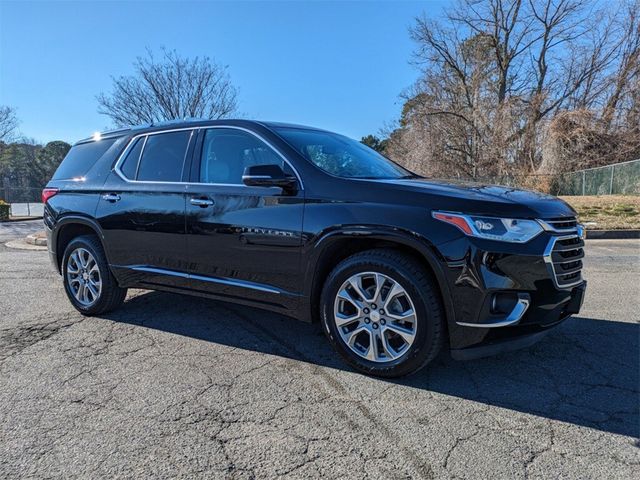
(5, 208)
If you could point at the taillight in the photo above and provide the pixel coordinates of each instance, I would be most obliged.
(47, 193)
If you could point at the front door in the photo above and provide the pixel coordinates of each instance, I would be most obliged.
(244, 242)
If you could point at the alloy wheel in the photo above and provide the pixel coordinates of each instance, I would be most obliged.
(375, 317)
(83, 276)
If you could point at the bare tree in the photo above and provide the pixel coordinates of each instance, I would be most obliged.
(8, 123)
(173, 87)
(494, 74)
(624, 83)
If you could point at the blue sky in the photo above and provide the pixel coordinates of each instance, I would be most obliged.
(335, 65)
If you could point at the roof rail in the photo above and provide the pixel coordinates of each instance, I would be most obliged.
(178, 120)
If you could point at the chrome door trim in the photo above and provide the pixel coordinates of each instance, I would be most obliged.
(125, 152)
(218, 280)
(118, 164)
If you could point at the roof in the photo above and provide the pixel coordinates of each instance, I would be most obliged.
(190, 123)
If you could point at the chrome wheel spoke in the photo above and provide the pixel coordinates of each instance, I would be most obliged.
(93, 290)
(396, 290)
(82, 256)
(408, 335)
(372, 352)
(408, 316)
(386, 346)
(379, 279)
(347, 297)
(342, 320)
(73, 266)
(351, 337)
(356, 284)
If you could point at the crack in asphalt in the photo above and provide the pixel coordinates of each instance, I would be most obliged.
(15, 340)
(421, 467)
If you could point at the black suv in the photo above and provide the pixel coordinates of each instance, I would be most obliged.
(317, 226)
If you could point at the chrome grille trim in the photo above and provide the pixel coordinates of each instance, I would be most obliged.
(562, 272)
(560, 225)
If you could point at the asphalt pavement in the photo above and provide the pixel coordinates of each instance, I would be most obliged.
(171, 386)
(14, 230)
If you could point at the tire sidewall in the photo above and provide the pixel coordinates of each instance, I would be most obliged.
(415, 357)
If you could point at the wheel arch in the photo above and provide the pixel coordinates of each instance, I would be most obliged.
(337, 245)
(69, 227)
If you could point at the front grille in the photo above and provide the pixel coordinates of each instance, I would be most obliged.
(562, 224)
(565, 260)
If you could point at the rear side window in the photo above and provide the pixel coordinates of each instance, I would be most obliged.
(81, 158)
(163, 157)
(130, 165)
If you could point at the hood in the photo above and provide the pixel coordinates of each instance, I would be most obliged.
(483, 199)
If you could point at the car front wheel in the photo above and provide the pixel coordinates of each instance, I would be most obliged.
(382, 312)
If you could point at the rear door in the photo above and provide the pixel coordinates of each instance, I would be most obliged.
(244, 242)
(142, 207)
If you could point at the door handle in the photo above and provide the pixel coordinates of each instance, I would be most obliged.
(201, 202)
(111, 197)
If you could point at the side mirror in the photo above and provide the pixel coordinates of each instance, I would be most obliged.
(268, 176)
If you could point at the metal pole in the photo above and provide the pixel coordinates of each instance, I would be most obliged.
(583, 175)
(611, 183)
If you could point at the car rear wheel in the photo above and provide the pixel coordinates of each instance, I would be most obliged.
(88, 282)
(382, 312)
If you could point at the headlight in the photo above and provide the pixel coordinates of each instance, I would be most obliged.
(512, 230)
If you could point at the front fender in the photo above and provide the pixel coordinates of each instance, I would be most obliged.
(375, 234)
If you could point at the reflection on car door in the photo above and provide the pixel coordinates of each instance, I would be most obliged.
(244, 242)
(141, 211)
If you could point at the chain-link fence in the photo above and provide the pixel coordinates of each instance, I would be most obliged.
(25, 202)
(619, 179)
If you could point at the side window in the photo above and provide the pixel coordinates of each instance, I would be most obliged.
(130, 164)
(163, 157)
(226, 152)
(81, 158)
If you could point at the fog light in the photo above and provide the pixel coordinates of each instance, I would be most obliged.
(503, 302)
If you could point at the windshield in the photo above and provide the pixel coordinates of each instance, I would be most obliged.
(341, 156)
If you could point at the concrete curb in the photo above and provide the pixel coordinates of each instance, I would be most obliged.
(23, 245)
(612, 234)
(20, 219)
(36, 239)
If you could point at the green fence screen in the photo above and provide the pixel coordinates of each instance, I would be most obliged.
(619, 179)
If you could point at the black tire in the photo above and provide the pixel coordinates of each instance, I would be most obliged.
(424, 293)
(111, 295)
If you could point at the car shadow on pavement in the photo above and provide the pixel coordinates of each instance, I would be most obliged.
(585, 372)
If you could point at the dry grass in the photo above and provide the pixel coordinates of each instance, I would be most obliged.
(607, 212)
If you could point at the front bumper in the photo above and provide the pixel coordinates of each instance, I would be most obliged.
(479, 272)
(520, 336)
